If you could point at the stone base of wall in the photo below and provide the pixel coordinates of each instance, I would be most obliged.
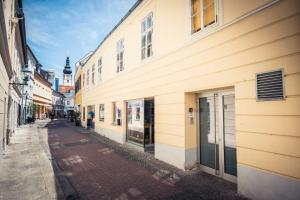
(113, 135)
(259, 184)
(170, 154)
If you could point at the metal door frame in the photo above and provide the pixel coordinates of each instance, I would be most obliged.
(219, 101)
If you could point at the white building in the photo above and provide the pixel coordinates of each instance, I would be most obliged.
(13, 57)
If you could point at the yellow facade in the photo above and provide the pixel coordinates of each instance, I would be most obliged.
(78, 94)
(249, 37)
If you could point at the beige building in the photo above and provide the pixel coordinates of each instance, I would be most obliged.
(12, 60)
(42, 94)
(208, 83)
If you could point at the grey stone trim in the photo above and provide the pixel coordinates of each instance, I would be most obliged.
(258, 184)
(170, 154)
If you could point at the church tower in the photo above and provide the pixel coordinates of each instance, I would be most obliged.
(67, 76)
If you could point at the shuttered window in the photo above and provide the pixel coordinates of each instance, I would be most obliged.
(269, 85)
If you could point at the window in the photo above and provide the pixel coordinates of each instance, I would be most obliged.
(99, 69)
(93, 74)
(83, 114)
(117, 114)
(101, 112)
(120, 55)
(87, 77)
(68, 102)
(146, 43)
(203, 14)
(83, 80)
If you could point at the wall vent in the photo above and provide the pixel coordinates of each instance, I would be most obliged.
(269, 85)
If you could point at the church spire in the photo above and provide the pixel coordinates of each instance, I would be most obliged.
(67, 69)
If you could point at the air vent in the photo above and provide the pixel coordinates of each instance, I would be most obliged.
(269, 85)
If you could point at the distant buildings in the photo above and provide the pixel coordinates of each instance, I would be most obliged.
(58, 104)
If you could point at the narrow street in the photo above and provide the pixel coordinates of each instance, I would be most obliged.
(98, 168)
(57, 160)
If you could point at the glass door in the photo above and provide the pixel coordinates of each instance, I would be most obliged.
(217, 134)
(229, 134)
(209, 132)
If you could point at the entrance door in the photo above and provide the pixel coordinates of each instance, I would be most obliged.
(217, 134)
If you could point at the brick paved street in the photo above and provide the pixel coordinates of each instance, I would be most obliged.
(97, 168)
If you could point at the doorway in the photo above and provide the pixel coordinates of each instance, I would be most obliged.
(217, 134)
(140, 123)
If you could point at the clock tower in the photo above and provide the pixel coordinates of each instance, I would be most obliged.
(67, 75)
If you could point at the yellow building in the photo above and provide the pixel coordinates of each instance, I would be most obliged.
(208, 83)
(78, 82)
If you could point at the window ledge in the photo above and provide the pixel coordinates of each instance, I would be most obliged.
(205, 32)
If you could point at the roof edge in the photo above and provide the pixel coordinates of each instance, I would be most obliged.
(116, 26)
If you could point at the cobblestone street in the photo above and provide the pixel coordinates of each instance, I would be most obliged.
(98, 168)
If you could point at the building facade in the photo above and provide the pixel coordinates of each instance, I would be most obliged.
(12, 62)
(28, 89)
(42, 94)
(218, 89)
(78, 82)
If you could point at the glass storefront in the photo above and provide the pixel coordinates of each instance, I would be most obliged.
(140, 122)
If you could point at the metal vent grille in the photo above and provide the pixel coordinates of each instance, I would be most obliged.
(269, 85)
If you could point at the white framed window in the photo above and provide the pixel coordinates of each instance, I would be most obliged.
(101, 112)
(100, 69)
(147, 35)
(83, 80)
(93, 74)
(87, 77)
(203, 14)
(120, 55)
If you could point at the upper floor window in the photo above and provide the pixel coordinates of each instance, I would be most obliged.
(83, 80)
(99, 69)
(120, 55)
(203, 14)
(87, 77)
(93, 74)
(147, 31)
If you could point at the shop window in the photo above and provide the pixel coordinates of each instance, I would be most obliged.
(101, 112)
(203, 14)
(146, 41)
(120, 55)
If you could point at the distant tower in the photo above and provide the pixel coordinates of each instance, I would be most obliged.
(67, 76)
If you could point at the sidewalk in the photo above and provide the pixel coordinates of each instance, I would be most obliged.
(26, 170)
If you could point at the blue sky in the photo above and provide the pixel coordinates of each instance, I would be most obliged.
(59, 28)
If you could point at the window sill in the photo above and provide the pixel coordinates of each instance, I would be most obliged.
(205, 31)
(115, 124)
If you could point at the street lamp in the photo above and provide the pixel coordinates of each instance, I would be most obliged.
(25, 70)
